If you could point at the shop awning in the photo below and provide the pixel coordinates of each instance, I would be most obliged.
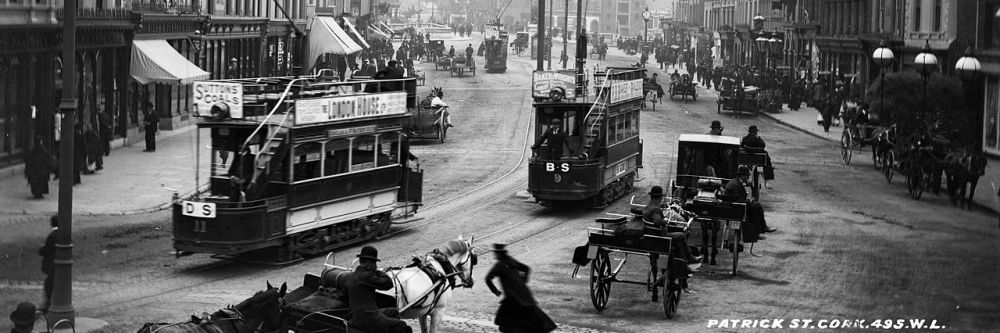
(155, 61)
(355, 35)
(326, 36)
(376, 32)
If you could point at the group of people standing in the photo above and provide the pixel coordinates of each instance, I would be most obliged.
(91, 143)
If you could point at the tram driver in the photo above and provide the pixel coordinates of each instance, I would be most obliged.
(555, 135)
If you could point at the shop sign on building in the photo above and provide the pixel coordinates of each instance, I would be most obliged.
(227, 95)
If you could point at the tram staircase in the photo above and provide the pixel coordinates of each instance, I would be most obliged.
(592, 128)
(275, 145)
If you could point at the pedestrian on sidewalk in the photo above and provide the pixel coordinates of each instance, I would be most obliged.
(38, 167)
(48, 253)
(23, 318)
(152, 124)
(95, 156)
(79, 154)
(518, 310)
(104, 127)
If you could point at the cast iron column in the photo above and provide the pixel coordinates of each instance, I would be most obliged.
(540, 61)
(61, 306)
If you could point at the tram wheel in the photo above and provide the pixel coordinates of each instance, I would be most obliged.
(600, 280)
(671, 297)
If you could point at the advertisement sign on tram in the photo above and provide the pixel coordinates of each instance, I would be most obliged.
(209, 94)
(625, 90)
(318, 110)
(543, 82)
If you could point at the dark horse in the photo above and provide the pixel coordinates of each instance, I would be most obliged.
(261, 312)
(963, 169)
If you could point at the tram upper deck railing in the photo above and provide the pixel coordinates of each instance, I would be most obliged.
(611, 85)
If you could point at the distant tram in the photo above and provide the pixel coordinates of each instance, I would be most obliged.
(601, 152)
(495, 48)
(299, 166)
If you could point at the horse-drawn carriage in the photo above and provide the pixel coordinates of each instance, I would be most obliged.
(683, 87)
(738, 100)
(652, 93)
(460, 64)
(434, 49)
(705, 163)
(428, 122)
(420, 289)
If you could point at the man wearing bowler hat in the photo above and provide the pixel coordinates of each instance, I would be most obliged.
(23, 318)
(716, 128)
(361, 285)
(518, 310)
(754, 143)
(736, 192)
(654, 213)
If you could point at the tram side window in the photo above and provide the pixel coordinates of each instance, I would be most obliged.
(629, 129)
(388, 153)
(622, 129)
(336, 157)
(307, 161)
(363, 154)
(635, 123)
(612, 130)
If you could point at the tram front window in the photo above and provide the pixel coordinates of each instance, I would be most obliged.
(307, 159)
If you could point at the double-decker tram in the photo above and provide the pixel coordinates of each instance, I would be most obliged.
(587, 149)
(299, 166)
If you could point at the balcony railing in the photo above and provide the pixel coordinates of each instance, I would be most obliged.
(164, 7)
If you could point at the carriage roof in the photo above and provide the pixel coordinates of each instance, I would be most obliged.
(712, 139)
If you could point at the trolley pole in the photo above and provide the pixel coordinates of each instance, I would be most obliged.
(540, 61)
(565, 33)
(61, 304)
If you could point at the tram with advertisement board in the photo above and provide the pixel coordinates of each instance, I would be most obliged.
(587, 150)
(298, 166)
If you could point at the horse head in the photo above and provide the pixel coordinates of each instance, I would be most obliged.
(460, 254)
(262, 311)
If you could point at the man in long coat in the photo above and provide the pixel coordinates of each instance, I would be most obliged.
(518, 310)
(38, 165)
(361, 286)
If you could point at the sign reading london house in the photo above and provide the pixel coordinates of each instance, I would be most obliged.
(318, 110)
(625, 90)
(208, 94)
(544, 81)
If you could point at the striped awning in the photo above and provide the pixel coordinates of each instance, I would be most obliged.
(326, 36)
(355, 35)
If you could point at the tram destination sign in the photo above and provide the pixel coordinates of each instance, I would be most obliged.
(224, 94)
(622, 90)
(318, 110)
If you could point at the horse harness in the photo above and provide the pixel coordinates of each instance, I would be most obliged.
(231, 315)
(437, 278)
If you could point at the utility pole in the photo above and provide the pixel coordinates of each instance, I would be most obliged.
(541, 35)
(61, 306)
(581, 45)
(565, 33)
(552, 22)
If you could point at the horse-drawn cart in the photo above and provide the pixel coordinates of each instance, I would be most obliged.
(459, 65)
(606, 241)
(442, 63)
(684, 87)
(428, 122)
(738, 100)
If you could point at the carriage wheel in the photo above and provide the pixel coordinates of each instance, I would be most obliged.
(600, 284)
(755, 187)
(914, 182)
(671, 296)
(845, 147)
(888, 161)
(737, 236)
(718, 108)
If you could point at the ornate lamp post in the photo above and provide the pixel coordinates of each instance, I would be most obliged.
(968, 67)
(758, 25)
(883, 57)
(775, 44)
(646, 15)
(762, 49)
(926, 64)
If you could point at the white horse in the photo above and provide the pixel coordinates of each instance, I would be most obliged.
(424, 296)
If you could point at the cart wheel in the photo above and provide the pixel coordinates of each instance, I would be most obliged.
(845, 147)
(442, 131)
(914, 182)
(888, 163)
(737, 237)
(718, 108)
(755, 186)
(671, 296)
(600, 284)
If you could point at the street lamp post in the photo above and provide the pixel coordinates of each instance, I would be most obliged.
(883, 57)
(762, 48)
(926, 64)
(646, 15)
(61, 306)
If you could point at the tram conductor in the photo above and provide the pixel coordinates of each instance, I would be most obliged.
(361, 286)
(555, 135)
